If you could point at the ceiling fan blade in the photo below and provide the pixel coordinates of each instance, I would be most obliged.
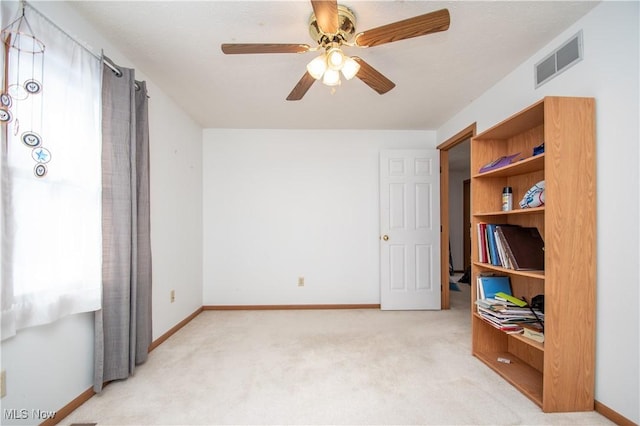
(373, 78)
(326, 12)
(232, 49)
(413, 27)
(301, 88)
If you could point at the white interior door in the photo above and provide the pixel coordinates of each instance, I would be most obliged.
(409, 229)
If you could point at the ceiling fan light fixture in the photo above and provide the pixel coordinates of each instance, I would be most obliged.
(317, 66)
(331, 77)
(333, 26)
(335, 58)
(350, 68)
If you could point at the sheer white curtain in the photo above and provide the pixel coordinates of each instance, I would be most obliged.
(51, 225)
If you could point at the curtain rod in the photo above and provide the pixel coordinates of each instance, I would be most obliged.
(100, 58)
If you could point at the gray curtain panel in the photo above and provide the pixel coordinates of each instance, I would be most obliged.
(123, 325)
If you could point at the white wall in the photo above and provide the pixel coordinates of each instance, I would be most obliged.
(610, 73)
(279, 204)
(176, 212)
(49, 366)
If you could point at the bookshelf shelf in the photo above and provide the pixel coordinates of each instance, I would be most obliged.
(536, 345)
(524, 166)
(520, 374)
(531, 274)
(547, 373)
(526, 341)
(534, 210)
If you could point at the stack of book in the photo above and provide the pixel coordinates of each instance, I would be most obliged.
(496, 305)
(506, 316)
(510, 246)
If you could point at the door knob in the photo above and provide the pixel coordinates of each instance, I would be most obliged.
(385, 237)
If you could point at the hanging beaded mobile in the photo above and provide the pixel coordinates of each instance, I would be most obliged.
(22, 81)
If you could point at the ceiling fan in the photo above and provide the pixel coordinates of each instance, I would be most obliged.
(332, 26)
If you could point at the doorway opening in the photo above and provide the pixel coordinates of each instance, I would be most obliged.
(452, 161)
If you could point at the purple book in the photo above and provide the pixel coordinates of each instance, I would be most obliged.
(500, 162)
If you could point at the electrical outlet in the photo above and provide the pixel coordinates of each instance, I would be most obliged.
(3, 384)
(173, 296)
(300, 281)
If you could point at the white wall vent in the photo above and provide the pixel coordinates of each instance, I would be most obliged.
(559, 60)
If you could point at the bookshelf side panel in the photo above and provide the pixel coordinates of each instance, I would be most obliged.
(570, 255)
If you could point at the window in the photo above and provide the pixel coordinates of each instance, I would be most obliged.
(51, 216)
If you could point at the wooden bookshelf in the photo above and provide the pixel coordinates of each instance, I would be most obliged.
(559, 374)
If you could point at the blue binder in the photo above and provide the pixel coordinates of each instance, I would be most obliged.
(495, 284)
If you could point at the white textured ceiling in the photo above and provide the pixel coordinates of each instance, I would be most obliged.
(177, 45)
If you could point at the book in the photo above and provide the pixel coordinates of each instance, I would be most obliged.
(533, 331)
(499, 324)
(482, 243)
(493, 248)
(501, 252)
(503, 248)
(524, 246)
(494, 304)
(509, 315)
(488, 286)
(509, 298)
(505, 160)
(508, 308)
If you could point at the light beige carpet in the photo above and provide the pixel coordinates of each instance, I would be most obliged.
(319, 367)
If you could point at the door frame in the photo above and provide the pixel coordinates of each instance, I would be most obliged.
(444, 147)
(466, 224)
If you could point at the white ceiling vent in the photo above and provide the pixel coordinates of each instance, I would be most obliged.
(559, 60)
